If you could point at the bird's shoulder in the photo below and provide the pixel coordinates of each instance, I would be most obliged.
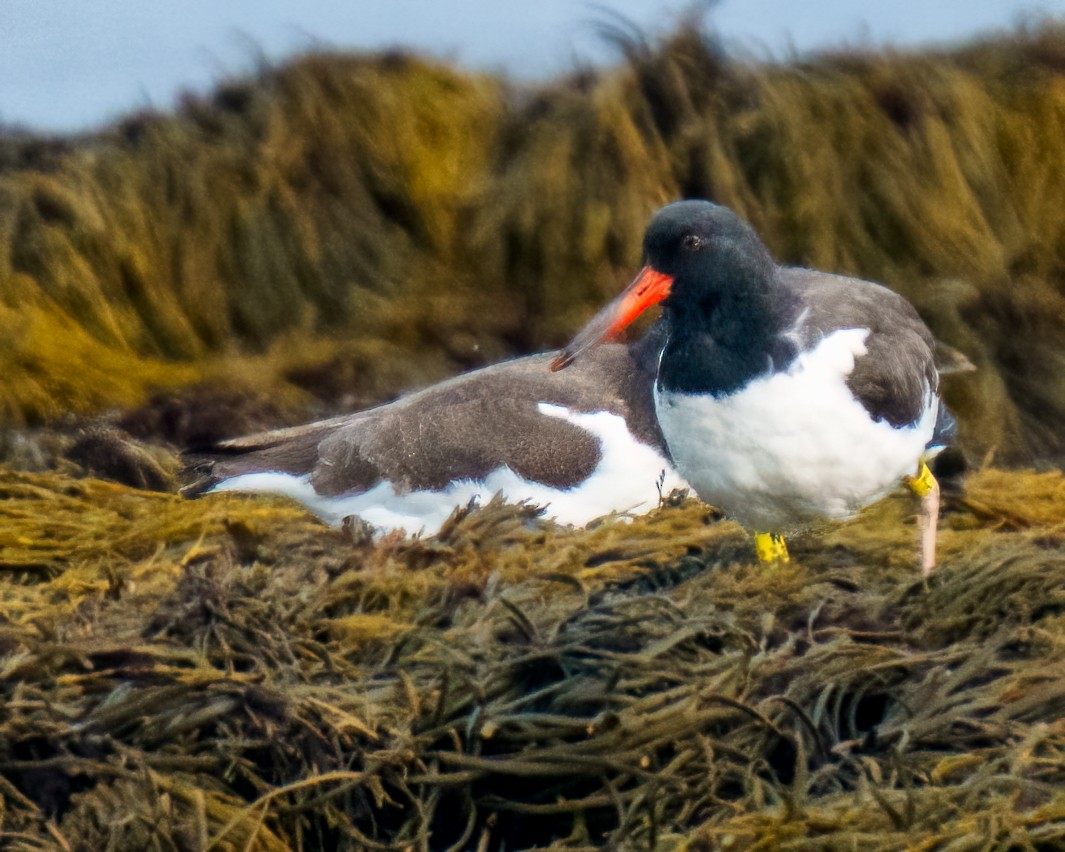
(895, 374)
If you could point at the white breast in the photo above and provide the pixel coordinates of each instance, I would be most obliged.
(629, 478)
(794, 447)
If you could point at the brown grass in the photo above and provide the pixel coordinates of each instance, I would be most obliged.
(328, 218)
(230, 674)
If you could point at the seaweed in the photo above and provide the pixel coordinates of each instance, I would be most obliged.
(229, 673)
(340, 228)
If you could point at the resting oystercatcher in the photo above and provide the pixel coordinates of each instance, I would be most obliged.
(584, 444)
(786, 396)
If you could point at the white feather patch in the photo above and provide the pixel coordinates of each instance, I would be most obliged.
(627, 479)
(794, 447)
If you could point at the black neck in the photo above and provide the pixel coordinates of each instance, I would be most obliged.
(734, 334)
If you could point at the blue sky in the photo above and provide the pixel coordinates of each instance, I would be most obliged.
(70, 64)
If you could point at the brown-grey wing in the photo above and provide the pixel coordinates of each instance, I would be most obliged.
(294, 451)
(895, 376)
(894, 379)
(440, 439)
(422, 444)
(474, 424)
(465, 427)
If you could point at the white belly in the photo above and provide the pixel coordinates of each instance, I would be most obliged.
(792, 448)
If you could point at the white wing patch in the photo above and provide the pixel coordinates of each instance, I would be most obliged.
(627, 479)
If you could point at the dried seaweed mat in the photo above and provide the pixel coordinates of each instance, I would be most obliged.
(228, 674)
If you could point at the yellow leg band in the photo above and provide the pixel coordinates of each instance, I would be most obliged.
(770, 547)
(923, 483)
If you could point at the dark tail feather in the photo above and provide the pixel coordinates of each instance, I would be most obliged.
(946, 431)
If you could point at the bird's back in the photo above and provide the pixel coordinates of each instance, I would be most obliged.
(538, 435)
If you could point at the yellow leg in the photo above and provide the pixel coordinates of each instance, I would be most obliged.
(924, 485)
(770, 547)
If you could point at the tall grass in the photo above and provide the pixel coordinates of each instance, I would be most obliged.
(361, 212)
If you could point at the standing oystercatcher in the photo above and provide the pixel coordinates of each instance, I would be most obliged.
(585, 443)
(786, 396)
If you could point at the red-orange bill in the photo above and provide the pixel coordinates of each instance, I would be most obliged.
(648, 288)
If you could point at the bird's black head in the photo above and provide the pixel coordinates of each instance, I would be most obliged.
(708, 250)
(707, 268)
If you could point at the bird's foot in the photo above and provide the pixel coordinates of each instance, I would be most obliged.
(924, 485)
(770, 547)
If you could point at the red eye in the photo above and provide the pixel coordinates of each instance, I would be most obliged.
(691, 242)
